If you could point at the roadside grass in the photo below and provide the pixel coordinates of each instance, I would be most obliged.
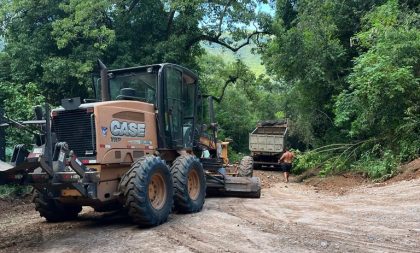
(375, 163)
(14, 191)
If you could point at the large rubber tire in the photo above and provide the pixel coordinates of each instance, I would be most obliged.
(189, 184)
(52, 210)
(147, 191)
(246, 167)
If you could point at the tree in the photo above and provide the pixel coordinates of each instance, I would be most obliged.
(243, 99)
(236, 118)
(18, 102)
(307, 56)
(56, 43)
(312, 55)
(382, 100)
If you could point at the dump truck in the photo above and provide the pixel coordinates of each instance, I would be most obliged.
(136, 146)
(266, 143)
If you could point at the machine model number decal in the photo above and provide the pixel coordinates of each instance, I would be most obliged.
(141, 142)
(115, 139)
(129, 129)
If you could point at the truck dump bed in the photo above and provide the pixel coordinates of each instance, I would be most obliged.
(268, 137)
(266, 142)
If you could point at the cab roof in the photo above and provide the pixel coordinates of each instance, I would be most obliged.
(184, 70)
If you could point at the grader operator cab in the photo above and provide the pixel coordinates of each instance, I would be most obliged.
(135, 146)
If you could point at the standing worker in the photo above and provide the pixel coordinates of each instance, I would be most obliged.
(286, 163)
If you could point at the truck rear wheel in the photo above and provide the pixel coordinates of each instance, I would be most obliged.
(52, 210)
(189, 184)
(246, 167)
(147, 191)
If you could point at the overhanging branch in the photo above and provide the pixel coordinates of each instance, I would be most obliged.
(231, 79)
(216, 39)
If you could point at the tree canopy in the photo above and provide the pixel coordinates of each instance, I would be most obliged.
(55, 44)
(343, 72)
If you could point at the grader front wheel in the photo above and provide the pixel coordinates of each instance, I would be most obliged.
(52, 210)
(246, 167)
(157, 191)
(147, 191)
(193, 184)
(189, 184)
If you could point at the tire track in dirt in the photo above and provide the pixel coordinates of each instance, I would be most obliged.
(351, 235)
(297, 218)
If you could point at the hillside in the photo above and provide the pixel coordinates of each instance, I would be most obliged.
(253, 61)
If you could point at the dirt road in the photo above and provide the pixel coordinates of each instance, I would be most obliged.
(288, 218)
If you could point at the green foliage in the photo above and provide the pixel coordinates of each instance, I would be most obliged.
(235, 118)
(56, 43)
(350, 74)
(384, 91)
(79, 22)
(234, 157)
(13, 191)
(308, 57)
(244, 98)
(306, 161)
(327, 159)
(375, 161)
(377, 167)
(343, 72)
(245, 54)
(213, 74)
(18, 101)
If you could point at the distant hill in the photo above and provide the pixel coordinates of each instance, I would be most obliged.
(253, 61)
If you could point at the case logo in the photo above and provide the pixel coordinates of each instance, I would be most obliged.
(129, 129)
(104, 130)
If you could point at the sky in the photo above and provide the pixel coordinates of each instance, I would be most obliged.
(266, 8)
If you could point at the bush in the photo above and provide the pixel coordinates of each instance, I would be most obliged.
(13, 191)
(367, 157)
(234, 156)
(306, 161)
(375, 167)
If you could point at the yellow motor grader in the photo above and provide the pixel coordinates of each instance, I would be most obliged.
(138, 145)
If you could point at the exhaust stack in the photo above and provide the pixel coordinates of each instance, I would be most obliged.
(104, 82)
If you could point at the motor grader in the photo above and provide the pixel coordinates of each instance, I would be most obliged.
(137, 146)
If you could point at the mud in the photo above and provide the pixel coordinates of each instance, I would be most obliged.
(314, 216)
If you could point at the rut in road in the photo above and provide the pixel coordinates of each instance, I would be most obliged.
(296, 218)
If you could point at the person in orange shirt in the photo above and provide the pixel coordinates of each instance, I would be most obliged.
(286, 163)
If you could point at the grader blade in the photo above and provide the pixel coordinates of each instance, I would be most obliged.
(10, 174)
(5, 166)
(243, 186)
(246, 187)
(6, 173)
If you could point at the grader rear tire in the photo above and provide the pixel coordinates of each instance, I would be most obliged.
(189, 184)
(246, 167)
(147, 191)
(52, 210)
